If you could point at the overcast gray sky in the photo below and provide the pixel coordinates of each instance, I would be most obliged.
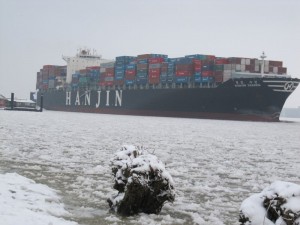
(38, 32)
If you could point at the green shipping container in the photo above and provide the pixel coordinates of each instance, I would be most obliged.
(219, 67)
(84, 79)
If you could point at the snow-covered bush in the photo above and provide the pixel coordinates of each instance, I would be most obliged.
(142, 181)
(277, 204)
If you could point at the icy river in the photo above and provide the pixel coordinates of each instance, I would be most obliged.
(215, 164)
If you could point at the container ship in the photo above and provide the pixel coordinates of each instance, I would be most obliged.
(193, 86)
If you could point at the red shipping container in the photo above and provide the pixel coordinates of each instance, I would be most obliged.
(130, 76)
(183, 73)
(156, 60)
(109, 74)
(110, 70)
(154, 75)
(218, 73)
(142, 66)
(93, 68)
(221, 61)
(198, 68)
(119, 82)
(184, 67)
(250, 68)
(154, 80)
(130, 72)
(154, 70)
(235, 60)
(207, 73)
(275, 63)
(197, 61)
(218, 79)
(144, 56)
(282, 70)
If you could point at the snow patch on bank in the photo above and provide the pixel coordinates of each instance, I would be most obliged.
(254, 209)
(22, 201)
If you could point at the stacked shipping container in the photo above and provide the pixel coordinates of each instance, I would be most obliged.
(120, 68)
(155, 69)
(107, 74)
(51, 76)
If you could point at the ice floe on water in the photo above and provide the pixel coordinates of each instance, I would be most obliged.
(24, 202)
(215, 165)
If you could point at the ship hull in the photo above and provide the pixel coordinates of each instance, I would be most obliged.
(251, 99)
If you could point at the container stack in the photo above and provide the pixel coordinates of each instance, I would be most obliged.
(50, 77)
(164, 73)
(130, 74)
(203, 66)
(149, 68)
(75, 80)
(158, 69)
(184, 70)
(120, 68)
(155, 69)
(171, 69)
(107, 74)
(93, 74)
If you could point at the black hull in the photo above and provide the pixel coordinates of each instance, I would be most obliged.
(250, 99)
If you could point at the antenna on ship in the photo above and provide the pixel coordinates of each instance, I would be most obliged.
(263, 56)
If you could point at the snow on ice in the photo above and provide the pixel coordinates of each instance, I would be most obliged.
(24, 202)
(214, 164)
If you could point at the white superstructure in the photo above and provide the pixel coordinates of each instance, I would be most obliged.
(84, 58)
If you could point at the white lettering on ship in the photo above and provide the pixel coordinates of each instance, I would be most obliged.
(68, 98)
(98, 101)
(241, 83)
(87, 99)
(107, 98)
(118, 98)
(77, 102)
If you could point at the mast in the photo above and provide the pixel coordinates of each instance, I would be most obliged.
(262, 69)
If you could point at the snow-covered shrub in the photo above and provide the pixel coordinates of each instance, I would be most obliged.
(277, 204)
(142, 181)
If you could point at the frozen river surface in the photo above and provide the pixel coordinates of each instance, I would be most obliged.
(215, 164)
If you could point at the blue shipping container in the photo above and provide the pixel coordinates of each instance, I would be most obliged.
(182, 79)
(121, 67)
(207, 79)
(198, 79)
(142, 81)
(142, 75)
(129, 82)
(131, 66)
(119, 77)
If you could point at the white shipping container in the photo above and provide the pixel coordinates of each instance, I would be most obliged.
(228, 66)
(227, 73)
(243, 68)
(238, 67)
(267, 63)
(248, 61)
(102, 70)
(257, 62)
(243, 61)
(275, 69)
(256, 68)
(266, 69)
